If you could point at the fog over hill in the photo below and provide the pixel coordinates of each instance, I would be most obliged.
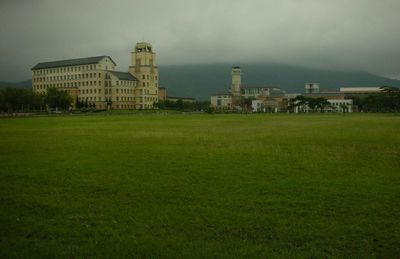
(201, 81)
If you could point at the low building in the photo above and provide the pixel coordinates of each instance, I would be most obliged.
(360, 91)
(256, 92)
(184, 99)
(335, 105)
(266, 105)
(162, 94)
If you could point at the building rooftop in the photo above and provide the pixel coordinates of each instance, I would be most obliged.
(360, 89)
(71, 62)
(323, 94)
(124, 76)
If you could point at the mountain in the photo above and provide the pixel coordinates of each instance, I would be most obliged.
(201, 81)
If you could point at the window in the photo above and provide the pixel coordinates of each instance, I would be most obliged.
(144, 77)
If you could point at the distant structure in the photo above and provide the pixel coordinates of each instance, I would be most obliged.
(93, 81)
(226, 101)
(274, 99)
(162, 96)
(360, 91)
(312, 88)
(236, 86)
(267, 95)
(184, 99)
(337, 101)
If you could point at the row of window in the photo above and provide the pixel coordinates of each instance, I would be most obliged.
(339, 103)
(66, 77)
(72, 84)
(125, 106)
(126, 83)
(89, 91)
(66, 69)
(118, 98)
(148, 84)
(149, 77)
(124, 98)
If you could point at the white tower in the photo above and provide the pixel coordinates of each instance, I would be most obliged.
(236, 81)
(144, 68)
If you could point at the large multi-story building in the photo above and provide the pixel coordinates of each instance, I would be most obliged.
(94, 80)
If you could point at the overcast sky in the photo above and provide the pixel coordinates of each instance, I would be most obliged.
(334, 34)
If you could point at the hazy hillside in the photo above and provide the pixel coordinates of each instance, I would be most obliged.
(22, 84)
(201, 81)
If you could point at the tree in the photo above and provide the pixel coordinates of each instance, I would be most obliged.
(300, 102)
(245, 103)
(58, 99)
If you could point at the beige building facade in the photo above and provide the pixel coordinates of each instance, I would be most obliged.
(95, 82)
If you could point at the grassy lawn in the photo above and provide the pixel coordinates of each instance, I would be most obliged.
(200, 186)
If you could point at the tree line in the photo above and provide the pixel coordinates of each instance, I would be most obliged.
(25, 100)
(304, 103)
(386, 101)
(183, 105)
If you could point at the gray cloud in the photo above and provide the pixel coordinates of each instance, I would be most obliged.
(340, 34)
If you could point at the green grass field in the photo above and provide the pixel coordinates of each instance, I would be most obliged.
(200, 186)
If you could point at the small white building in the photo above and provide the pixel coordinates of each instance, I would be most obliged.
(335, 105)
(267, 105)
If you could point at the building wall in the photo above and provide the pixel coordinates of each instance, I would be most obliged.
(83, 82)
(221, 101)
